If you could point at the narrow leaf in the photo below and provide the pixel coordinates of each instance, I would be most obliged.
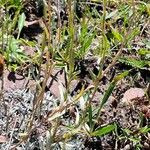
(133, 62)
(110, 89)
(107, 94)
(21, 22)
(104, 130)
(90, 116)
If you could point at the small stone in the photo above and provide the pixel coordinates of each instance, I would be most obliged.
(127, 147)
(146, 145)
(3, 139)
(133, 96)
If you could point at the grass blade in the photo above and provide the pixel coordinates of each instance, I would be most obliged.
(21, 22)
(104, 130)
(110, 89)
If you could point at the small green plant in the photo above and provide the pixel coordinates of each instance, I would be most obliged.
(9, 44)
(135, 137)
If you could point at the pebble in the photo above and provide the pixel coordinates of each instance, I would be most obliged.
(146, 145)
(127, 147)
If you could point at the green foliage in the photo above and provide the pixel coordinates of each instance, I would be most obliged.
(85, 40)
(144, 53)
(21, 22)
(104, 130)
(140, 64)
(110, 90)
(11, 4)
(117, 35)
(13, 53)
(134, 136)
